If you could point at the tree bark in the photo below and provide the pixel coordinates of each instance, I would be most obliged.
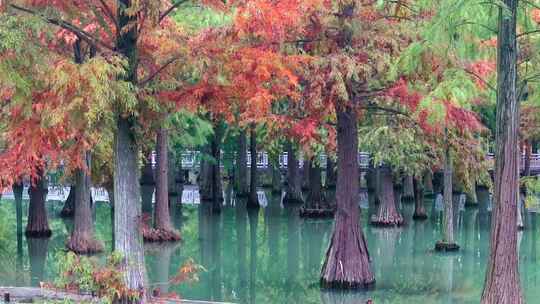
(127, 210)
(346, 263)
(408, 188)
(502, 275)
(253, 199)
(69, 205)
(330, 180)
(215, 175)
(428, 182)
(241, 165)
(82, 239)
(387, 214)
(419, 209)
(17, 194)
(147, 186)
(306, 166)
(294, 187)
(276, 173)
(38, 224)
(447, 243)
(163, 230)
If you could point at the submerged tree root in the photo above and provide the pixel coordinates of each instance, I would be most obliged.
(316, 213)
(160, 235)
(446, 247)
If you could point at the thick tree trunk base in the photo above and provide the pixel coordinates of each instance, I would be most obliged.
(420, 217)
(84, 245)
(38, 234)
(154, 235)
(446, 247)
(316, 213)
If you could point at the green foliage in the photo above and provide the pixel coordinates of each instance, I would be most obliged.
(399, 147)
(81, 273)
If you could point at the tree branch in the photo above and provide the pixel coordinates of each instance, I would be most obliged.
(159, 70)
(109, 13)
(67, 26)
(170, 9)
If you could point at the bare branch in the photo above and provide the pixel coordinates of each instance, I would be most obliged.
(159, 70)
(170, 9)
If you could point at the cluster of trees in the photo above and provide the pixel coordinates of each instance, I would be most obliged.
(92, 87)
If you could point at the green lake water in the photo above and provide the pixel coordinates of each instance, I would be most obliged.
(273, 256)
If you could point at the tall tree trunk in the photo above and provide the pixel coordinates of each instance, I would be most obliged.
(127, 210)
(428, 182)
(346, 263)
(306, 165)
(502, 274)
(241, 165)
(163, 229)
(253, 200)
(82, 239)
(387, 214)
(217, 190)
(17, 194)
(276, 173)
(294, 187)
(419, 210)
(330, 180)
(69, 205)
(447, 243)
(147, 186)
(205, 175)
(315, 196)
(38, 224)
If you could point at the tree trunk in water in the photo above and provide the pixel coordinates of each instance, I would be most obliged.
(82, 239)
(17, 194)
(315, 197)
(419, 210)
(38, 224)
(215, 191)
(502, 275)
(387, 214)
(69, 205)
(163, 229)
(305, 173)
(408, 188)
(147, 187)
(276, 173)
(447, 243)
(330, 181)
(241, 165)
(253, 200)
(346, 263)
(428, 182)
(127, 209)
(294, 187)
(253, 216)
(241, 232)
(205, 175)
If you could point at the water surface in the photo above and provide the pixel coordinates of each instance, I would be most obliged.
(273, 256)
